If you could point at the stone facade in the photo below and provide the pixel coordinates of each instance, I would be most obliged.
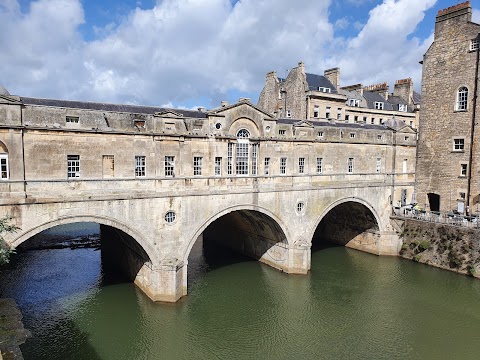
(320, 98)
(443, 162)
(165, 177)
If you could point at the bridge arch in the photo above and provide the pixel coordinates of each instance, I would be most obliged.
(275, 223)
(102, 220)
(357, 204)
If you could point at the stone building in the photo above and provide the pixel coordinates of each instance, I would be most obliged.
(321, 98)
(447, 169)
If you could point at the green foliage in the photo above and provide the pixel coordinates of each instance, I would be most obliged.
(5, 250)
(417, 257)
(424, 245)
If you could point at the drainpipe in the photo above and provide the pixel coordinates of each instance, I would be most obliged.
(472, 130)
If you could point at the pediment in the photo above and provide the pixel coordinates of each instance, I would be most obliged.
(239, 104)
(169, 114)
(303, 124)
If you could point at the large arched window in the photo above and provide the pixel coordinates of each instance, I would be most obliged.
(241, 155)
(462, 99)
(3, 162)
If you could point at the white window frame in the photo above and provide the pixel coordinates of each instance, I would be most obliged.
(283, 166)
(266, 166)
(301, 165)
(140, 166)
(339, 113)
(242, 152)
(73, 166)
(462, 99)
(402, 107)
(463, 169)
(197, 165)
(72, 119)
(4, 173)
(319, 165)
(353, 102)
(474, 44)
(230, 158)
(459, 144)
(169, 166)
(324, 89)
(254, 159)
(350, 165)
(218, 166)
(316, 111)
(379, 105)
(288, 114)
(328, 112)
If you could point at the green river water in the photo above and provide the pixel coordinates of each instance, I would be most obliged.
(351, 305)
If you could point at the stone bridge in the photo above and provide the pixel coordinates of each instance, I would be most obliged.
(273, 219)
(162, 179)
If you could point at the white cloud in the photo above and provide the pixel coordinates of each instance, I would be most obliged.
(183, 50)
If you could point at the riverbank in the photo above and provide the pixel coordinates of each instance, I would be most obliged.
(444, 246)
(12, 331)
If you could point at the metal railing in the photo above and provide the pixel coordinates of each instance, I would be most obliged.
(450, 218)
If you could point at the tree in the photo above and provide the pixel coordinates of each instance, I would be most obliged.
(5, 249)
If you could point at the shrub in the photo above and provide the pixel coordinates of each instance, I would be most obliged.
(424, 245)
(5, 250)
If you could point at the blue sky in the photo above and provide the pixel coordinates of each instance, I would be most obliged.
(188, 53)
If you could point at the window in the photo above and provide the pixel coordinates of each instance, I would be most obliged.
(324, 89)
(462, 195)
(458, 144)
(406, 138)
(139, 166)
(108, 163)
(372, 121)
(350, 165)
(301, 165)
(365, 119)
(170, 217)
(266, 168)
(197, 165)
(379, 137)
(72, 119)
(474, 44)
(463, 169)
(300, 207)
(170, 166)
(353, 102)
(347, 117)
(381, 121)
(319, 165)
(283, 166)
(379, 105)
(229, 158)
(355, 118)
(289, 113)
(73, 166)
(218, 166)
(411, 124)
(378, 167)
(316, 111)
(327, 112)
(352, 135)
(462, 99)
(241, 153)
(320, 134)
(402, 107)
(404, 166)
(339, 114)
(282, 132)
(254, 159)
(4, 166)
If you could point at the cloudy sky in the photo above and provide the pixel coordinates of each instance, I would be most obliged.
(189, 53)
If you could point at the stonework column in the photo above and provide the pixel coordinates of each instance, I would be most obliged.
(164, 282)
(299, 258)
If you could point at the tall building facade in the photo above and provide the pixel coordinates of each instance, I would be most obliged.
(448, 158)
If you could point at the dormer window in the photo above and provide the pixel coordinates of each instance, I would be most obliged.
(324, 89)
(474, 44)
(379, 105)
(353, 102)
(402, 107)
(72, 119)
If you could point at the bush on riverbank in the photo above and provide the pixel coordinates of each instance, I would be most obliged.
(5, 250)
(445, 246)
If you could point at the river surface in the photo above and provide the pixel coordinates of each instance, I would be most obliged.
(351, 305)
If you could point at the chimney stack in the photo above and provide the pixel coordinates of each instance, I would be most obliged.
(404, 89)
(333, 75)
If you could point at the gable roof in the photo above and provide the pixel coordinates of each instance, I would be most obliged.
(240, 103)
(315, 81)
(136, 109)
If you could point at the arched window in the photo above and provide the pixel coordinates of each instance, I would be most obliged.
(462, 98)
(3, 162)
(242, 152)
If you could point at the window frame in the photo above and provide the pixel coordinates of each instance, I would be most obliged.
(301, 165)
(461, 103)
(319, 165)
(460, 146)
(283, 166)
(266, 166)
(73, 166)
(463, 170)
(350, 165)
(169, 166)
(197, 165)
(140, 166)
(218, 166)
(379, 105)
(4, 171)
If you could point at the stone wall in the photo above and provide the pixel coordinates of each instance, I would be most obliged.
(445, 246)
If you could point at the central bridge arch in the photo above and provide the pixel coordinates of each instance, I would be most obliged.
(249, 229)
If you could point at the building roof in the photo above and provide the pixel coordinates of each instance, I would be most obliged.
(315, 81)
(3, 91)
(334, 124)
(373, 97)
(417, 98)
(135, 109)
